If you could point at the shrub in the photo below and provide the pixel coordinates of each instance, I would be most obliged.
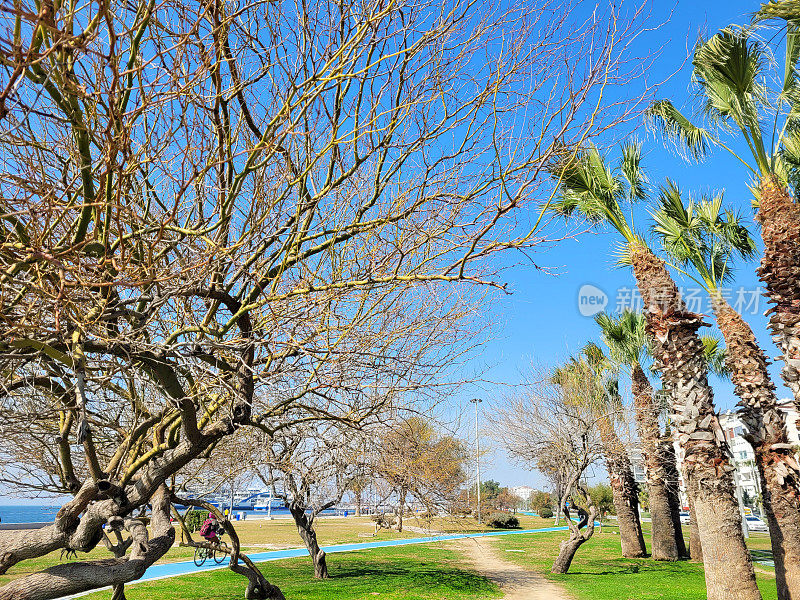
(500, 520)
(384, 521)
(546, 513)
(194, 519)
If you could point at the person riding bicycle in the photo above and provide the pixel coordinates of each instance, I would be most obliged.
(211, 529)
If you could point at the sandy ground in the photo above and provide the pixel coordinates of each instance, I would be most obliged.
(517, 583)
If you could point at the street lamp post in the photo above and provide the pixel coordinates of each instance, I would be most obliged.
(475, 401)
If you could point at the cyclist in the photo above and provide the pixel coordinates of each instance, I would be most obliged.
(211, 529)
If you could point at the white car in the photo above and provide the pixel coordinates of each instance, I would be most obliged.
(685, 518)
(756, 524)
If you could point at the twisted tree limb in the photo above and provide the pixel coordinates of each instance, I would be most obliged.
(258, 588)
(75, 577)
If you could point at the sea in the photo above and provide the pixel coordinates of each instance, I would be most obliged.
(31, 513)
(27, 513)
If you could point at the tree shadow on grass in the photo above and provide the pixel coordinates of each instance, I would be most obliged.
(418, 574)
(624, 567)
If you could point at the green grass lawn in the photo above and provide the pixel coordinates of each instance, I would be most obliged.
(254, 535)
(262, 535)
(599, 573)
(429, 572)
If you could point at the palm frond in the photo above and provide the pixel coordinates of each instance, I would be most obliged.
(625, 336)
(594, 355)
(714, 352)
(587, 186)
(790, 87)
(727, 67)
(778, 9)
(669, 120)
(701, 234)
(630, 167)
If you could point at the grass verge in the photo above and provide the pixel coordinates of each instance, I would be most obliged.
(599, 573)
(430, 572)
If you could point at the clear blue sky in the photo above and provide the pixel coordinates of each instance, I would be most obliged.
(541, 319)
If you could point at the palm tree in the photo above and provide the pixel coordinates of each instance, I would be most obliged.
(588, 187)
(705, 239)
(605, 402)
(714, 353)
(626, 339)
(729, 70)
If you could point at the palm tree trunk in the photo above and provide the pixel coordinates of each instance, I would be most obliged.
(672, 479)
(663, 530)
(624, 490)
(780, 271)
(672, 482)
(695, 546)
(708, 472)
(766, 433)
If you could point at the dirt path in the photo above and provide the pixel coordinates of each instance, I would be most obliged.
(517, 583)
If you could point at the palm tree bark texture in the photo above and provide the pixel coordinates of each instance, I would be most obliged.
(766, 432)
(780, 271)
(669, 462)
(664, 546)
(624, 490)
(707, 468)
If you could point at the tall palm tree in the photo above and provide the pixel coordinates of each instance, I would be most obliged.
(704, 239)
(589, 188)
(605, 403)
(714, 353)
(730, 72)
(626, 339)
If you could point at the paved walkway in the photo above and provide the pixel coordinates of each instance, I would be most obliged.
(166, 570)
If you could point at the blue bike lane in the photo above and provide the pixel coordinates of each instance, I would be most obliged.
(176, 569)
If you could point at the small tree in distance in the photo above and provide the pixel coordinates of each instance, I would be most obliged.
(548, 427)
(541, 501)
(415, 459)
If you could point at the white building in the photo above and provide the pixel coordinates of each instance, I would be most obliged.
(637, 465)
(523, 491)
(743, 455)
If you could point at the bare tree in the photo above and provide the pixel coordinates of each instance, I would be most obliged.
(551, 428)
(210, 211)
(311, 466)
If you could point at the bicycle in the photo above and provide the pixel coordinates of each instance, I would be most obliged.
(218, 554)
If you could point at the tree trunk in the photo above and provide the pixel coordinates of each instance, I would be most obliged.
(624, 490)
(566, 553)
(672, 480)
(708, 471)
(664, 546)
(695, 546)
(576, 539)
(118, 592)
(403, 493)
(766, 433)
(258, 588)
(780, 271)
(305, 527)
